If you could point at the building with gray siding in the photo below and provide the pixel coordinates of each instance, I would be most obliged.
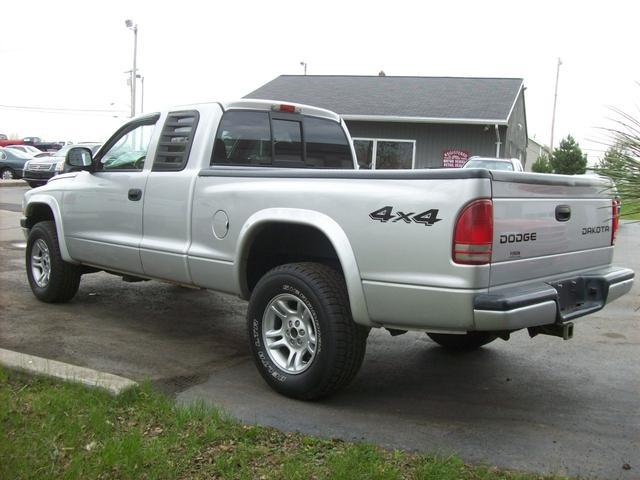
(416, 122)
(535, 149)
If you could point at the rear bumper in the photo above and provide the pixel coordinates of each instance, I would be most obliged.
(514, 308)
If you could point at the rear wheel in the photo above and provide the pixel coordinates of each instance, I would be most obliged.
(34, 184)
(466, 342)
(51, 278)
(304, 342)
(7, 174)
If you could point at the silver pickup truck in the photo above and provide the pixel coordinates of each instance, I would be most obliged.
(264, 200)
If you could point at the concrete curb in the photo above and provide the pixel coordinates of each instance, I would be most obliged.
(52, 368)
(13, 183)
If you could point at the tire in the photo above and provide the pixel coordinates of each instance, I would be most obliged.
(7, 174)
(42, 256)
(303, 339)
(469, 341)
(34, 184)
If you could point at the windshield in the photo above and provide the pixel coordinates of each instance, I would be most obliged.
(489, 165)
(63, 151)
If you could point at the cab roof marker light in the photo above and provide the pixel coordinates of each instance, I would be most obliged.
(283, 107)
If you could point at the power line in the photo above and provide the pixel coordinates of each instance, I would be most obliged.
(60, 110)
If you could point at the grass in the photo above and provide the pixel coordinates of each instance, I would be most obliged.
(630, 211)
(52, 430)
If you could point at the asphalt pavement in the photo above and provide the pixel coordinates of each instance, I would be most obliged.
(542, 404)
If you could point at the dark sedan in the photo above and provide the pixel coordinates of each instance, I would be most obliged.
(38, 171)
(12, 163)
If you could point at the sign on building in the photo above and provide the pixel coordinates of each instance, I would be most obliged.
(453, 158)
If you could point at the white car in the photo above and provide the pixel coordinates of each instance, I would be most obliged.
(26, 149)
(490, 163)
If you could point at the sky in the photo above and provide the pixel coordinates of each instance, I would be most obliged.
(62, 58)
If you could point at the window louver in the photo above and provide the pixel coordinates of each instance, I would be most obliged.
(175, 141)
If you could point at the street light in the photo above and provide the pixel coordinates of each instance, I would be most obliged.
(132, 26)
(304, 64)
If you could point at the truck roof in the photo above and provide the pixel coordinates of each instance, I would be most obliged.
(267, 105)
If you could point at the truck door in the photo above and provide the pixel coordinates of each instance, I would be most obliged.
(167, 203)
(102, 211)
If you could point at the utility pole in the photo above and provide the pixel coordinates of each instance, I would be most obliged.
(555, 101)
(304, 64)
(141, 77)
(134, 72)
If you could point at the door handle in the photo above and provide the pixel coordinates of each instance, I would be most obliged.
(135, 194)
(563, 213)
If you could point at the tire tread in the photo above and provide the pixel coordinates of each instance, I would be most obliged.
(350, 345)
(65, 285)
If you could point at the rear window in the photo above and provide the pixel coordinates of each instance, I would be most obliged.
(327, 145)
(287, 140)
(250, 138)
(489, 165)
(244, 138)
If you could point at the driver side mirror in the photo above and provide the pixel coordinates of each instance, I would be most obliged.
(79, 158)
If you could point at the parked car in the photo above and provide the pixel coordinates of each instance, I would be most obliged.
(31, 150)
(3, 137)
(510, 164)
(12, 163)
(38, 171)
(6, 142)
(42, 145)
(264, 200)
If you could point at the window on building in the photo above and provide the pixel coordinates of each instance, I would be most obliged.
(385, 153)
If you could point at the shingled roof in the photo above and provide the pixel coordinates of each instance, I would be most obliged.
(420, 99)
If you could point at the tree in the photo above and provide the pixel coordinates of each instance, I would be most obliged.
(568, 158)
(614, 158)
(542, 165)
(621, 162)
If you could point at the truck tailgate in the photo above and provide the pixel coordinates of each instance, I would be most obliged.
(548, 225)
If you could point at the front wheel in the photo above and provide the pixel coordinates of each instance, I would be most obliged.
(7, 174)
(303, 340)
(466, 342)
(34, 184)
(50, 277)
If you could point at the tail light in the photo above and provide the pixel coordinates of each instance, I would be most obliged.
(615, 219)
(473, 234)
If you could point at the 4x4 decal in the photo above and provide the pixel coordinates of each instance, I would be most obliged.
(384, 214)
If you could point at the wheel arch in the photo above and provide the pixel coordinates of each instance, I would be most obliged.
(42, 208)
(318, 222)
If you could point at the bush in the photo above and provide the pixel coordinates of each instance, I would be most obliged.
(542, 165)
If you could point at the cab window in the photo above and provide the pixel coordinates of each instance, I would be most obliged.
(128, 149)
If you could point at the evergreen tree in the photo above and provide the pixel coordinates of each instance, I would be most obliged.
(542, 165)
(568, 158)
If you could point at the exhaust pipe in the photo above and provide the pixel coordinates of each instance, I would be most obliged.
(563, 330)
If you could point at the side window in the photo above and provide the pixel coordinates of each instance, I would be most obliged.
(243, 138)
(130, 149)
(175, 141)
(327, 145)
(287, 141)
